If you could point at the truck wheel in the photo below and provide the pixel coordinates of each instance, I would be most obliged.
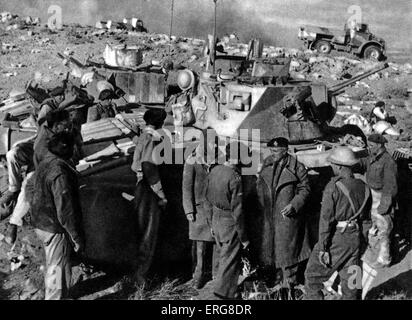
(323, 46)
(373, 53)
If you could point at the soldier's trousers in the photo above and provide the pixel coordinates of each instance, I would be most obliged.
(148, 224)
(22, 205)
(205, 259)
(58, 266)
(378, 252)
(344, 251)
(19, 156)
(229, 269)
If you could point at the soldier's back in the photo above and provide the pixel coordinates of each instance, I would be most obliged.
(219, 182)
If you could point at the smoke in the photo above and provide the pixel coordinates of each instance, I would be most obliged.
(89, 10)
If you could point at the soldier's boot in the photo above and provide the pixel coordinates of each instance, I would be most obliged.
(199, 276)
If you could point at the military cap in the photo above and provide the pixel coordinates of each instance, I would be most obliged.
(279, 142)
(343, 156)
(154, 116)
(377, 138)
(380, 104)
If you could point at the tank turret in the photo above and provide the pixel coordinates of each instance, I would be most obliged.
(256, 96)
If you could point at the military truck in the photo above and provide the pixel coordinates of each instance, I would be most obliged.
(364, 43)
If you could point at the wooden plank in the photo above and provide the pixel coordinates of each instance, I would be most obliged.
(102, 131)
(14, 105)
(105, 135)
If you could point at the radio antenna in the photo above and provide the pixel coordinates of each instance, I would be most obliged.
(171, 21)
(213, 50)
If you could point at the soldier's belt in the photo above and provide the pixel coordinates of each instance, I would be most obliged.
(222, 210)
(347, 224)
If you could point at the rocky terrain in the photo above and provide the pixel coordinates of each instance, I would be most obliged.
(29, 51)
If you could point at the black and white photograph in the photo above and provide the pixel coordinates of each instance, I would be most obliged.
(206, 153)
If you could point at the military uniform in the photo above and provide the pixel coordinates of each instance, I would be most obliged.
(284, 241)
(381, 176)
(341, 239)
(194, 176)
(146, 201)
(56, 216)
(224, 204)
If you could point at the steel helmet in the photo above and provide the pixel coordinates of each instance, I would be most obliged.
(343, 156)
(186, 79)
(104, 85)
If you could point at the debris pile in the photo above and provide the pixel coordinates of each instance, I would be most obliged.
(9, 22)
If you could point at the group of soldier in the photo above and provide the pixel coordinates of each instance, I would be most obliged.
(42, 187)
(356, 216)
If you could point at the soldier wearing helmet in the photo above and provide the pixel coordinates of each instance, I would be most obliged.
(345, 205)
(105, 107)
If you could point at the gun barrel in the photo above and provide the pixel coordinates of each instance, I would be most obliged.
(71, 59)
(334, 90)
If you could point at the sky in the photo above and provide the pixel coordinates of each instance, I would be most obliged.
(275, 21)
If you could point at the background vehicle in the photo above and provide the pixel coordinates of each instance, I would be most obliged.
(364, 44)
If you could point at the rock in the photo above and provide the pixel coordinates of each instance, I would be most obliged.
(10, 74)
(44, 41)
(406, 68)
(68, 52)
(316, 75)
(29, 290)
(313, 60)
(334, 76)
(6, 16)
(8, 46)
(294, 64)
(197, 42)
(374, 76)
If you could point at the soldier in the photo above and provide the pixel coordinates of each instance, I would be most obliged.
(28, 155)
(381, 176)
(378, 113)
(224, 204)
(150, 198)
(103, 109)
(22, 153)
(353, 28)
(345, 203)
(194, 176)
(56, 214)
(283, 188)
